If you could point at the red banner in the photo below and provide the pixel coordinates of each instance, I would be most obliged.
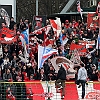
(92, 20)
(80, 48)
(7, 36)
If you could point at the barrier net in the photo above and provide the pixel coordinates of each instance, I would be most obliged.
(38, 90)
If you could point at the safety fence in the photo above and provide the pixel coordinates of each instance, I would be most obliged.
(45, 90)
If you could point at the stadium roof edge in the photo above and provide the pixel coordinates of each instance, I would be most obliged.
(67, 13)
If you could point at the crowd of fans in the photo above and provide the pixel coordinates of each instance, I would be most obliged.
(12, 68)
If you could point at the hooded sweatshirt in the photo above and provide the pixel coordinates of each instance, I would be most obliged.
(82, 74)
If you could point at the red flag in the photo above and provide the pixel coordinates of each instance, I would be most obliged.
(56, 25)
(7, 36)
(80, 48)
(92, 20)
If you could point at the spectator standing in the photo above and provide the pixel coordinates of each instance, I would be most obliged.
(51, 73)
(14, 74)
(7, 76)
(41, 75)
(12, 23)
(94, 74)
(89, 68)
(60, 81)
(82, 77)
(46, 67)
(29, 70)
(21, 25)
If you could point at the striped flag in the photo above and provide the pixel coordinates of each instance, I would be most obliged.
(44, 53)
(98, 8)
(79, 8)
(56, 25)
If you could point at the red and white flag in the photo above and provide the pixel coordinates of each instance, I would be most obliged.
(7, 36)
(79, 8)
(98, 8)
(42, 32)
(80, 48)
(56, 25)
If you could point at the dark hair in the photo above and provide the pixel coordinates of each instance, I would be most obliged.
(82, 65)
(12, 18)
(4, 22)
(19, 30)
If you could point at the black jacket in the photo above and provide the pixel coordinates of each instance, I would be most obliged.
(61, 74)
(11, 26)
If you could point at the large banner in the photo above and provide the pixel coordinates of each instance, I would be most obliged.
(92, 20)
(5, 13)
(66, 63)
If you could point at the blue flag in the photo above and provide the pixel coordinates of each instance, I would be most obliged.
(26, 36)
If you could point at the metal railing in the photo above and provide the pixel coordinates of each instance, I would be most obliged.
(45, 91)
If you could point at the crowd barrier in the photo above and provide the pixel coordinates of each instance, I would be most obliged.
(45, 90)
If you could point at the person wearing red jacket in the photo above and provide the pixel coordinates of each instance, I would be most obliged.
(29, 94)
(9, 94)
